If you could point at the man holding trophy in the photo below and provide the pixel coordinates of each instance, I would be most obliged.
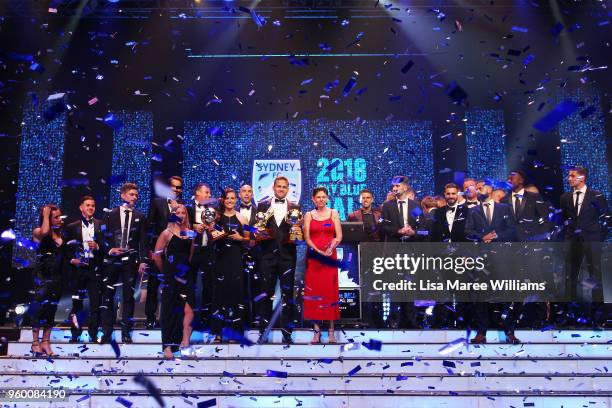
(278, 229)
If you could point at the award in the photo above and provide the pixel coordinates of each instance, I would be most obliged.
(209, 217)
(294, 217)
(263, 232)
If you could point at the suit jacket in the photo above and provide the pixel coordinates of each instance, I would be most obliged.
(532, 218)
(357, 216)
(592, 222)
(198, 239)
(440, 228)
(391, 220)
(74, 239)
(281, 233)
(502, 223)
(158, 216)
(138, 241)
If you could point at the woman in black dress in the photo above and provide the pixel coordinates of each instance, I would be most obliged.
(172, 256)
(47, 277)
(229, 303)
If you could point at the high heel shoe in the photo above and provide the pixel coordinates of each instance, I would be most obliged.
(47, 350)
(331, 339)
(316, 338)
(35, 349)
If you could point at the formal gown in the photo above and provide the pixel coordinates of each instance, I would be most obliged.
(47, 282)
(229, 303)
(321, 276)
(177, 290)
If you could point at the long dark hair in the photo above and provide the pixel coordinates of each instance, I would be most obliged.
(53, 207)
(226, 192)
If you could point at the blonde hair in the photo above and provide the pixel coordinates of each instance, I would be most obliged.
(185, 224)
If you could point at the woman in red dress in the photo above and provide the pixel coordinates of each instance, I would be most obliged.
(322, 233)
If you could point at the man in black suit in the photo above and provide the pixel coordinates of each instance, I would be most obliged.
(449, 226)
(203, 254)
(449, 221)
(84, 238)
(161, 207)
(247, 209)
(125, 253)
(276, 261)
(530, 214)
(399, 224)
(492, 222)
(529, 210)
(587, 221)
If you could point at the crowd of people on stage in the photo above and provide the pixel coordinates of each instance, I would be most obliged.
(240, 250)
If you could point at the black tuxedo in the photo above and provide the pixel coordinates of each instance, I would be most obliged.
(440, 229)
(85, 278)
(475, 229)
(532, 217)
(158, 221)
(123, 267)
(276, 260)
(584, 231)
(392, 223)
(202, 263)
(250, 258)
(401, 314)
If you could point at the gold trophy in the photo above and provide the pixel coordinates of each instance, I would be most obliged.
(294, 217)
(209, 217)
(263, 232)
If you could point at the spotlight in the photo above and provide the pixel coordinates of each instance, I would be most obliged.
(21, 310)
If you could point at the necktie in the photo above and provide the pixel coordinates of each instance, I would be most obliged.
(126, 225)
(517, 204)
(488, 212)
(246, 206)
(576, 203)
(401, 211)
(279, 200)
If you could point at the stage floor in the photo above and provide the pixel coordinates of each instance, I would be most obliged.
(382, 368)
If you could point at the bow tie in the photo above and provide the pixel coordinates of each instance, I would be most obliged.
(247, 206)
(200, 205)
(86, 222)
(279, 200)
(450, 209)
(471, 202)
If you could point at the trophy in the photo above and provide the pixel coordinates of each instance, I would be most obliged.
(209, 216)
(294, 217)
(263, 232)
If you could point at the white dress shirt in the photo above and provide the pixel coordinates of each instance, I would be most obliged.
(199, 209)
(491, 206)
(450, 217)
(580, 198)
(123, 221)
(280, 210)
(246, 213)
(404, 210)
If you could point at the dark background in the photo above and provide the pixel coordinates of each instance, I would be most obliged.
(83, 37)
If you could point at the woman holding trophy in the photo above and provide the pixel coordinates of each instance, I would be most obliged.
(322, 233)
(229, 303)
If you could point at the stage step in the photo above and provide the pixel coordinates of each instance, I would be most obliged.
(386, 336)
(313, 366)
(406, 400)
(321, 383)
(407, 351)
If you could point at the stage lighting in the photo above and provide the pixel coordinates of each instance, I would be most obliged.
(21, 309)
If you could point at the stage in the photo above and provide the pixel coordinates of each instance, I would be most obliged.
(382, 368)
